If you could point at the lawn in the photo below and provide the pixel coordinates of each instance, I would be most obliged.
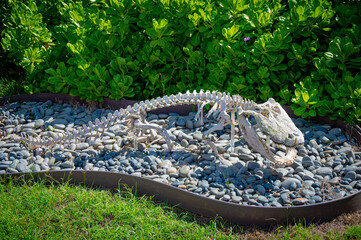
(42, 210)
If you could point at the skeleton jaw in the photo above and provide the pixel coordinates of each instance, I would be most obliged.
(259, 145)
(288, 159)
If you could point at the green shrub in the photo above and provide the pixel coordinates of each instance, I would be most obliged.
(304, 53)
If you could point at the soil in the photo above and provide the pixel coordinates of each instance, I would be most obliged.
(325, 230)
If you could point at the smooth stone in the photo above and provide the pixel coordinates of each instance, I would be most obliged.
(208, 157)
(246, 157)
(308, 192)
(351, 175)
(242, 150)
(338, 168)
(226, 197)
(290, 182)
(282, 172)
(137, 174)
(25, 154)
(253, 165)
(307, 162)
(317, 199)
(260, 189)
(324, 171)
(35, 168)
(171, 170)
(82, 146)
(11, 170)
(198, 136)
(299, 201)
(285, 198)
(3, 156)
(44, 166)
(344, 150)
(29, 125)
(313, 143)
(21, 167)
(39, 123)
(262, 199)
(59, 121)
(184, 143)
(236, 199)
(189, 124)
(4, 166)
(67, 164)
(59, 126)
(184, 171)
(335, 131)
(165, 164)
(180, 122)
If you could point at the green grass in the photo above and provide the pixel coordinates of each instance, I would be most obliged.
(36, 210)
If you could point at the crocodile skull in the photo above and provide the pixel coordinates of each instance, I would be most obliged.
(275, 124)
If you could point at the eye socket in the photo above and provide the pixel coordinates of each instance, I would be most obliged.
(265, 114)
(276, 109)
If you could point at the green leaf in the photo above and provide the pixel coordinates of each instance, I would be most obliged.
(305, 96)
(299, 111)
(312, 113)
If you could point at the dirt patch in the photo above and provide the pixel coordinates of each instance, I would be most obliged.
(328, 230)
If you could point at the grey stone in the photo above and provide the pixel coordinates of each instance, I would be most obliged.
(299, 201)
(29, 125)
(236, 199)
(21, 167)
(39, 123)
(307, 162)
(180, 122)
(262, 199)
(59, 121)
(184, 171)
(198, 136)
(67, 164)
(208, 157)
(335, 131)
(163, 115)
(324, 171)
(246, 157)
(82, 146)
(308, 192)
(35, 168)
(253, 165)
(290, 182)
(189, 124)
(260, 189)
(226, 197)
(351, 175)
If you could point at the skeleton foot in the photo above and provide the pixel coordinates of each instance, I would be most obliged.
(212, 146)
(163, 132)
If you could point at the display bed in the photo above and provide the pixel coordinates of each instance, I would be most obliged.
(243, 188)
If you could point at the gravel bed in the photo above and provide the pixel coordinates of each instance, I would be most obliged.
(328, 166)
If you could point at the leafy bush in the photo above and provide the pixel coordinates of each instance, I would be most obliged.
(304, 53)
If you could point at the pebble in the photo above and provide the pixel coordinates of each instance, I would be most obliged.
(242, 177)
(184, 171)
(300, 201)
(324, 171)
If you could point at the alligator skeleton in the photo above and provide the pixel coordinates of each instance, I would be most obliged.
(271, 120)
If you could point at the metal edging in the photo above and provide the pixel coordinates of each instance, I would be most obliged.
(231, 212)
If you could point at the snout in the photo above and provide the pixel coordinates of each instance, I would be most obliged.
(294, 139)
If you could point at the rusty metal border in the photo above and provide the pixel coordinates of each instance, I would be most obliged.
(231, 212)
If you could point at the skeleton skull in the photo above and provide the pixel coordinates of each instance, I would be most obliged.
(274, 122)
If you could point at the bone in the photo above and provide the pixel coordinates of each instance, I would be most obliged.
(223, 104)
(232, 130)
